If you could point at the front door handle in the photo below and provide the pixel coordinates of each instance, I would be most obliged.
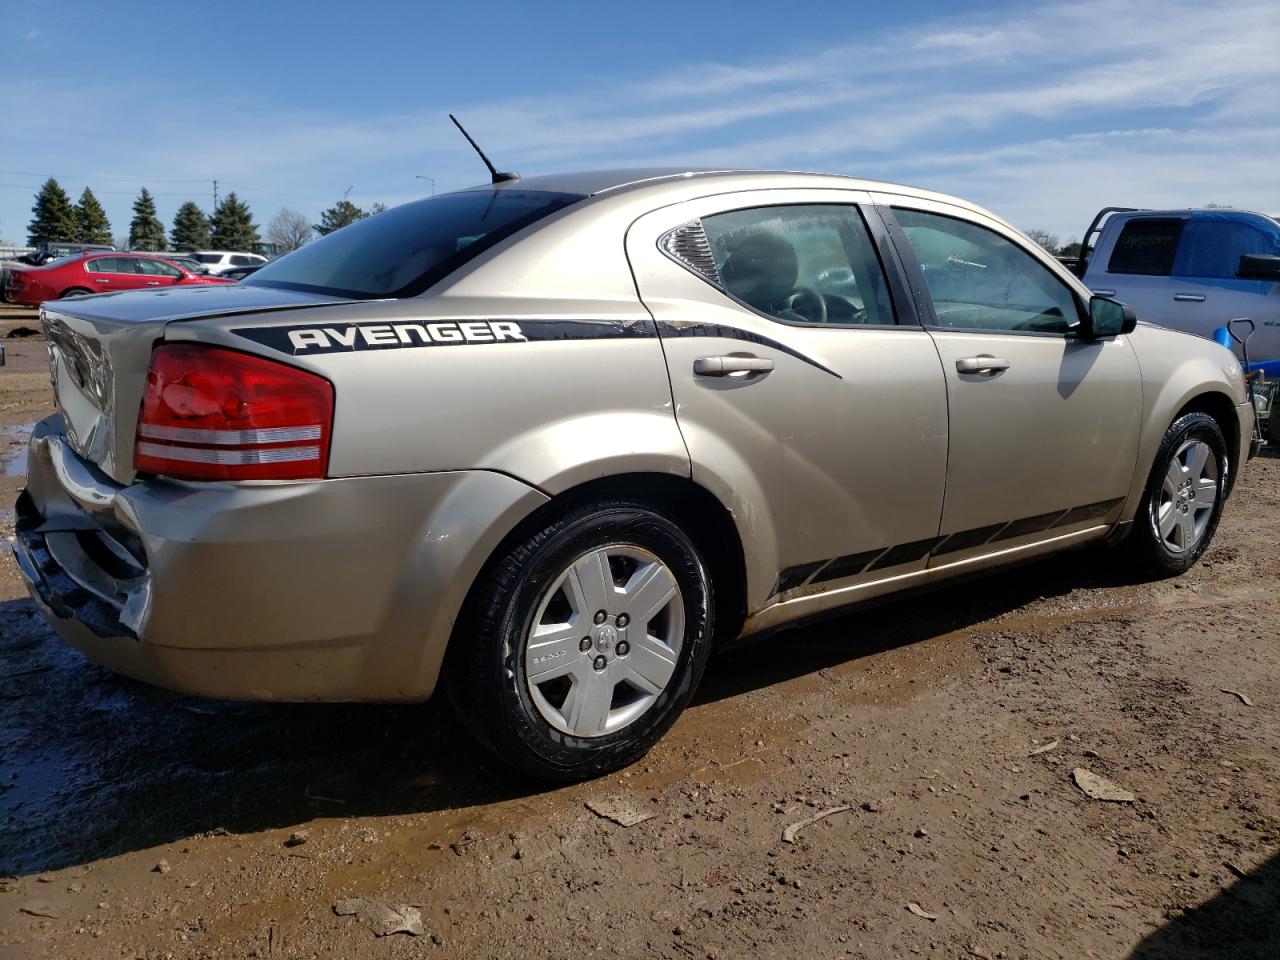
(986, 365)
(1189, 297)
(727, 366)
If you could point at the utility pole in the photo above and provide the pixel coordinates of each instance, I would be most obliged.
(348, 193)
(215, 196)
(419, 176)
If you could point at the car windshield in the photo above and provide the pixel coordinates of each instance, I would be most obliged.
(401, 252)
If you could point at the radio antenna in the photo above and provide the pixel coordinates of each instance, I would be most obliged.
(498, 177)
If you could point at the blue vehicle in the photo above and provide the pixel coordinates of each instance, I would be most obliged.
(1190, 270)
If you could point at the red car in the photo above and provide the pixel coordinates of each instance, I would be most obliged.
(98, 272)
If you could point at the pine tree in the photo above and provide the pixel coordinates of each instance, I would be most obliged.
(190, 228)
(341, 214)
(146, 232)
(233, 226)
(55, 217)
(92, 225)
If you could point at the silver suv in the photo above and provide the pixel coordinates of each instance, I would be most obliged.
(545, 442)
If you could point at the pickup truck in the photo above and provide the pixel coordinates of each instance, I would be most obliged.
(1190, 270)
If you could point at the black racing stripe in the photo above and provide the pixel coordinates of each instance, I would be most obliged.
(967, 539)
(904, 553)
(410, 332)
(793, 577)
(1029, 525)
(1091, 511)
(682, 328)
(847, 566)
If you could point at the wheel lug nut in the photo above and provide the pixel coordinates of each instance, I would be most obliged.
(622, 648)
(600, 662)
(623, 620)
(584, 644)
(600, 616)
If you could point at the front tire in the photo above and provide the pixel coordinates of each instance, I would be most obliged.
(1184, 497)
(584, 641)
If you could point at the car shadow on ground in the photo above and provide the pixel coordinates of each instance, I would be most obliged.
(1242, 922)
(93, 765)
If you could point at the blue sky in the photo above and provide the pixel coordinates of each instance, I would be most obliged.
(1041, 111)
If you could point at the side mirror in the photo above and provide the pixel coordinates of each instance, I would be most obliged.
(1108, 318)
(1259, 266)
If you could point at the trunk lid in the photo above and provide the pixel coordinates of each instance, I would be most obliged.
(100, 348)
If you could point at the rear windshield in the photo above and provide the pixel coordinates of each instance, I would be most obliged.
(401, 252)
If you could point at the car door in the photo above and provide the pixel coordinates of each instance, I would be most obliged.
(811, 402)
(1207, 293)
(1044, 426)
(157, 273)
(112, 273)
(1134, 263)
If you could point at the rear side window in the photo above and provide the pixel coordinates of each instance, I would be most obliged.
(1146, 247)
(207, 257)
(800, 264)
(1213, 244)
(405, 250)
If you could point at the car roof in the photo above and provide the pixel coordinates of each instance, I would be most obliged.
(1189, 211)
(597, 184)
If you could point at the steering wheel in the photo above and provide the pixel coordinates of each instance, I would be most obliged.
(806, 301)
(828, 308)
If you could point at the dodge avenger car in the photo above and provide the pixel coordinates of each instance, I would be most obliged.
(544, 443)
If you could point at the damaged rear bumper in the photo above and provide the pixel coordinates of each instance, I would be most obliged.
(343, 589)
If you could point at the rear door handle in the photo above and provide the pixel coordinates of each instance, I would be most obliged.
(1189, 297)
(101, 281)
(727, 366)
(988, 366)
(153, 283)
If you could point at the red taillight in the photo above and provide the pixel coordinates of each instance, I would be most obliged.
(215, 414)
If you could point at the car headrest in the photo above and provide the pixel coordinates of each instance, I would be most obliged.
(761, 269)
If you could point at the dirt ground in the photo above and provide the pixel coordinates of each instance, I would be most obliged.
(944, 731)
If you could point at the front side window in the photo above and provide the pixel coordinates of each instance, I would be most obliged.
(979, 280)
(1212, 245)
(811, 263)
(157, 268)
(401, 252)
(1146, 247)
(239, 260)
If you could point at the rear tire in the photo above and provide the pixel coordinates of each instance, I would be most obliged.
(1183, 500)
(582, 643)
(74, 292)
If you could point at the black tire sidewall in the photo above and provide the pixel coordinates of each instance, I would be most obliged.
(516, 729)
(1197, 426)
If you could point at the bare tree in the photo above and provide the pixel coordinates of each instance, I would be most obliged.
(1046, 239)
(288, 230)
